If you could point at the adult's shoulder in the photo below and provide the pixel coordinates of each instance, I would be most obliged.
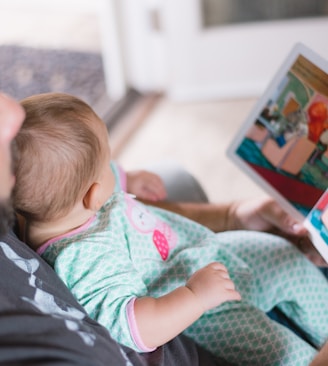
(40, 321)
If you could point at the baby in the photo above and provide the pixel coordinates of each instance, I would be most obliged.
(148, 274)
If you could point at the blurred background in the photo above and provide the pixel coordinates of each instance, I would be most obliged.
(173, 80)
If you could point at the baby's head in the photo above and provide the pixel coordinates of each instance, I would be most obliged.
(62, 151)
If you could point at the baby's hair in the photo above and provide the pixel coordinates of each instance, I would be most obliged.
(58, 155)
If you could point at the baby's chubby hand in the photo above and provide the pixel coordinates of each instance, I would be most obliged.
(212, 286)
(145, 185)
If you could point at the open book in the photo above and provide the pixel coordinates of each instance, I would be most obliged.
(283, 144)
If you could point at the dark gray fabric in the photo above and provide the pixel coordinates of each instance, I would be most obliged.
(180, 351)
(42, 324)
(180, 185)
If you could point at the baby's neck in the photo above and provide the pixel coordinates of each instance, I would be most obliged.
(36, 233)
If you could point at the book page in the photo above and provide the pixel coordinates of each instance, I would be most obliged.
(283, 144)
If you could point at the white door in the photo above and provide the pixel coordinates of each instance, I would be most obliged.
(229, 60)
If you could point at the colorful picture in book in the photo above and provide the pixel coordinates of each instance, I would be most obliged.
(287, 145)
(318, 217)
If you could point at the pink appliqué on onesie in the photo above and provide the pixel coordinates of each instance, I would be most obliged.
(164, 238)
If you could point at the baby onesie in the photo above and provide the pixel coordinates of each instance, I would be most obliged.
(129, 250)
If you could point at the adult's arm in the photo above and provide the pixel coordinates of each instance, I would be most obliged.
(262, 214)
(216, 217)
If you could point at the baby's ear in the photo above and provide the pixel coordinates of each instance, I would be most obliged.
(91, 199)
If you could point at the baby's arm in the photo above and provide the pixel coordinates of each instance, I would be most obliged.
(159, 320)
(145, 185)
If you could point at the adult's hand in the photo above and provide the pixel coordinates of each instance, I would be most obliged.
(265, 214)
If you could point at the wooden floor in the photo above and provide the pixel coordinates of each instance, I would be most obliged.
(195, 135)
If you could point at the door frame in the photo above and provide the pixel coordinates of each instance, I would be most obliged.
(229, 61)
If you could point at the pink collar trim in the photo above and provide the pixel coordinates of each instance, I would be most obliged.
(81, 228)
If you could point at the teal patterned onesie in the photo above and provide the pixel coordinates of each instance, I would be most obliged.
(131, 250)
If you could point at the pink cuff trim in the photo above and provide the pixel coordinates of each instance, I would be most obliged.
(123, 179)
(83, 227)
(134, 328)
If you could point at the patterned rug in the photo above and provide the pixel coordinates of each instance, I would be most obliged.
(26, 71)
